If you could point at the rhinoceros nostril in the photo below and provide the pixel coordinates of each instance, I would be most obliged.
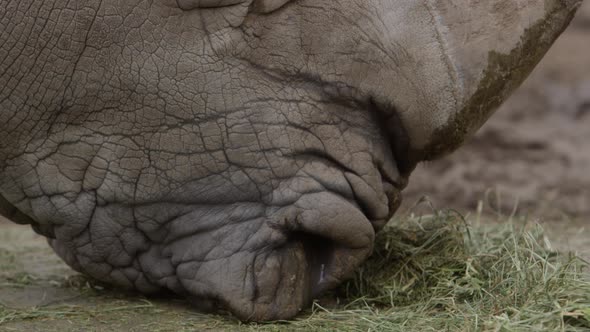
(267, 6)
(319, 252)
(193, 4)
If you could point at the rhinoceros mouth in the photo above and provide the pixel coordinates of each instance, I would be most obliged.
(388, 118)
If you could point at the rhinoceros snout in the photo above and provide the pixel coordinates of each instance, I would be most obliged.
(316, 244)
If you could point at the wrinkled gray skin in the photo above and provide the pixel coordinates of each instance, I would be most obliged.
(242, 152)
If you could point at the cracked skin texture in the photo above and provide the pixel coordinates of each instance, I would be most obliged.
(242, 153)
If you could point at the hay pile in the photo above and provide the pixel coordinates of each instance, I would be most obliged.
(432, 273)
(438, 274)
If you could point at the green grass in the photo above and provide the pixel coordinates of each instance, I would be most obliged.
(433, 273)
(436, 273)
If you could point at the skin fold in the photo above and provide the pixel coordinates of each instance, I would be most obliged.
(242, 153)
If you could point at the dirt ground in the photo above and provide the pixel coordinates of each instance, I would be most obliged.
(533, 156)
(535, 151)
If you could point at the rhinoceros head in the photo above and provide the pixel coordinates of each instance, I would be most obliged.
(242, 152)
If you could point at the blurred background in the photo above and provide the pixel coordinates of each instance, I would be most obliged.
(533, 155)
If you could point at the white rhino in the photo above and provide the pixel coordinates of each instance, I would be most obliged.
(242, 152)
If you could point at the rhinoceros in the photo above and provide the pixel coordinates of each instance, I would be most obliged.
(242, 153)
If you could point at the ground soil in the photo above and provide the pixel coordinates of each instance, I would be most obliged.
(532, 157)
